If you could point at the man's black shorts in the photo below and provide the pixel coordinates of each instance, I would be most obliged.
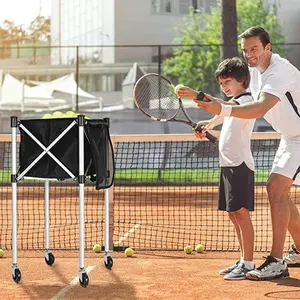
(236, 188)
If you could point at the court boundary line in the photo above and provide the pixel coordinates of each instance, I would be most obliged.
(72, 283)
(129, 233)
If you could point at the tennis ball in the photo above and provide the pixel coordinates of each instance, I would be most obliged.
(129, 252)
(188, 249)
(1, 253)
(97, 248)
(47, 116)
(71, 114)
(57, 114)
(199, 248)
(177, 87)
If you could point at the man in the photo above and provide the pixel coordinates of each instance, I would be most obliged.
(275, 86)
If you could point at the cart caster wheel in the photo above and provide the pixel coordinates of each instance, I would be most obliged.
(17, 276)
(109, 262)
(51, 259)
(85, 280)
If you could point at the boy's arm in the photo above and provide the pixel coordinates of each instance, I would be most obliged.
(188, 93)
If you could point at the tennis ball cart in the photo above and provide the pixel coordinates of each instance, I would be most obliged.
(59, 149)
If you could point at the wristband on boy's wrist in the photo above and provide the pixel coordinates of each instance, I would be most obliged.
(225, 110)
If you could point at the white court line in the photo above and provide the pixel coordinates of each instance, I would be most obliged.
(71, 284)
(129, 233)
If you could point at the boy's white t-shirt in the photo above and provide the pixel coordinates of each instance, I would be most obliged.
(235, 138)
(280, 78)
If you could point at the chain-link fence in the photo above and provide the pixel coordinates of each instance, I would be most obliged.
(101, 71)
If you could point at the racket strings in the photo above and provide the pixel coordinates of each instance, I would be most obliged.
(156, 97)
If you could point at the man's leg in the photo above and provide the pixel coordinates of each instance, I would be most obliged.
(274, 267)
(278, 188)
(294, 224)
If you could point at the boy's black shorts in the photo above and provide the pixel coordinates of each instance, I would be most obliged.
(236, 188)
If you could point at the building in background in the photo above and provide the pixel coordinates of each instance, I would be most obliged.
(116, 22)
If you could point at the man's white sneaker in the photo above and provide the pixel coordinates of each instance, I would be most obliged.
(269, 270)
(293, 258)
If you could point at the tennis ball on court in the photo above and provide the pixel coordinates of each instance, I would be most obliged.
(1, 253)
(129, 252)
(97, 248)
(188, 249)
(177, 87)
(199, 248)
(47, 116)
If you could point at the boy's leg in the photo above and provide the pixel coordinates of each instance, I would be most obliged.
(237, 230)
(243, 219)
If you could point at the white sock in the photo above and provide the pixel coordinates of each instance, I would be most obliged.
(249, 264)
(241, 259)
(278, 259)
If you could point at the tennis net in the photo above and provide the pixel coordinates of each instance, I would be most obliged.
(164, 198)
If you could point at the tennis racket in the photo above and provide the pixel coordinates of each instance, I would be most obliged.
(154, 95)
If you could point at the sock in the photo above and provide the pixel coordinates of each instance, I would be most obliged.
(278, 259)
(249, 264)
(241, 259)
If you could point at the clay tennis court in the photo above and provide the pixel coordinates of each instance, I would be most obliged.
(147, 275)
(156, 220)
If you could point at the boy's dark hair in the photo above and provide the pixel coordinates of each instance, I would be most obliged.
(259, 32)
(235, 68)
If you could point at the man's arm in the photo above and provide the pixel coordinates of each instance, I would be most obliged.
(253, 110)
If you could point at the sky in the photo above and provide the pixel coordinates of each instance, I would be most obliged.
(23, 11)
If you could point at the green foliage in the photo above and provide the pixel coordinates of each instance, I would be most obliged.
(194, 63)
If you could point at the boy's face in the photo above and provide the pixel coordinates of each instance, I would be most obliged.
(254, 52)
(231, 87)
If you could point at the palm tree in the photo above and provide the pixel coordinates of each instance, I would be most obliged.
(229, 29)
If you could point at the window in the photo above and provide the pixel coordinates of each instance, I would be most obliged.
(162, 6)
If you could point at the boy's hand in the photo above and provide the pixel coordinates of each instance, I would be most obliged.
(204, 125)
(186, 92)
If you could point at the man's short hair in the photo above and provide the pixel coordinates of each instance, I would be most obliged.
(235, 68)
(257, 31)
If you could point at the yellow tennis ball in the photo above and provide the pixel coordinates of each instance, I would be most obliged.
(57, 114)
(129, 252)
(97, 248)
(199, 248)
(71, 114)
(47, 116)
(188, 249)
(1, 253)
(177, 87)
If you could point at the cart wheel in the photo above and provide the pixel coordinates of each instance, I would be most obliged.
(85, 280)
(17, 276)
(51, 259)
(109, 262)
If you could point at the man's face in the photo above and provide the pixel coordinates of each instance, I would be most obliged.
(254, 52)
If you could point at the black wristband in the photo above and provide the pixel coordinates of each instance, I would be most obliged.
(200, 96)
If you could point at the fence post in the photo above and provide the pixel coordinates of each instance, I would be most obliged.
(159, 59)
(77, 76)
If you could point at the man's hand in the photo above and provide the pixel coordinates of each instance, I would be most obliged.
(213, 106)
(186, 92)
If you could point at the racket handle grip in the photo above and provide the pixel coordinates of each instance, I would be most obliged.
(211, 137)
(208, 135)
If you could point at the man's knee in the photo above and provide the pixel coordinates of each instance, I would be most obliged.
(278, 186)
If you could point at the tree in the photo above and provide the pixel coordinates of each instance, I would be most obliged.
(229, 33)
(195, 62)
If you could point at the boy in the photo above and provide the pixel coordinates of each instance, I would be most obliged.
(236, 186)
